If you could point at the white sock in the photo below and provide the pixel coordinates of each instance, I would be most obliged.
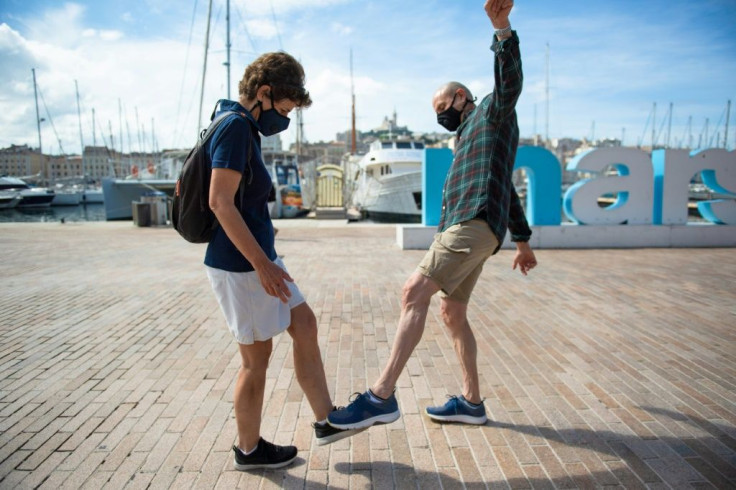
(322, 422)
(248, 453)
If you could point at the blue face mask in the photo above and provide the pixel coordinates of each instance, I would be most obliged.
(271, 122)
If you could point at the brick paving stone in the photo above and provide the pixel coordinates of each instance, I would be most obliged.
(592, 375)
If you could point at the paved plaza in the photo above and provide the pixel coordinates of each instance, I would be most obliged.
(602, 368)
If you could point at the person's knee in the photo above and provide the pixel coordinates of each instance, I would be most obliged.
(414, 294)
(255, 361)
(304, 328)
(453, 316)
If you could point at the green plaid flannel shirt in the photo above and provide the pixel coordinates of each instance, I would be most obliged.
(478, 183)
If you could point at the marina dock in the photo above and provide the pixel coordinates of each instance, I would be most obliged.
(601, 368)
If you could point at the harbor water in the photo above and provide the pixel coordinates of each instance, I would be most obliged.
(83, 212)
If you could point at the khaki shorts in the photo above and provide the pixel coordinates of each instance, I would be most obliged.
(456, 257)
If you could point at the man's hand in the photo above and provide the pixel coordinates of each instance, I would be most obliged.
(498, 11)
(524, 257)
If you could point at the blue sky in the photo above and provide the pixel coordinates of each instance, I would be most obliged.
(609, 62)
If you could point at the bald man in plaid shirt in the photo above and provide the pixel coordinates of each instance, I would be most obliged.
(479, 205)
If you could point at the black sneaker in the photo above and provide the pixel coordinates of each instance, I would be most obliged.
(326, 434)
(266, 455)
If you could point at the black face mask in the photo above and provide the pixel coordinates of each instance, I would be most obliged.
(271, 122)
(450, 117)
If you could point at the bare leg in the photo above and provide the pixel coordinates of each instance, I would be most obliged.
(310, 372)
(454, 314)
(417, 294)
(249, 389)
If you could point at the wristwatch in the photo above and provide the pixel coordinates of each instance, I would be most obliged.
(503, 33)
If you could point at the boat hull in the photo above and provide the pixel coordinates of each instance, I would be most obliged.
(67, 199)
(120, 195)
(9, 199)
(393, 198)
(36, 198)
(93, 196)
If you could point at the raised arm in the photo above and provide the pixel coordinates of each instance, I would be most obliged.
(507, 65)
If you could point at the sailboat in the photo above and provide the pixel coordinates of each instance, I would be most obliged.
(282, 165)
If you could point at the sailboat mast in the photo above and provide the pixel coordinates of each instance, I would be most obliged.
(654, 125)
(204, 68)
(353, 148)
(79, 117)
(725, 132)
(81, 135)
(227, 47)
(38, 117)
(546, 91)
(120, 125)
(138, 129)
(38, 121)
(669, 127)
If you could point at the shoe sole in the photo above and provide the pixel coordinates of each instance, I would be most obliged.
(247, 467)
(463, 419)
(385, 418)
(323, 441)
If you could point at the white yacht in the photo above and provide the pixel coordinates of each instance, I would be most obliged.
(9, 199)
(30, 197)
(388, 182)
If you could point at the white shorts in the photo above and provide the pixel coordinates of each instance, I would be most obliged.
(252, 315)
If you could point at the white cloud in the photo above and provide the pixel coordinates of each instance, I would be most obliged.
(400, 57)
(109, 35)
(267, 7)
(146, 76)
(341, 29)
(262, 28)
(60, 26)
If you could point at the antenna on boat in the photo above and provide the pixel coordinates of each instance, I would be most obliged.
(352, 94)
(204, 68)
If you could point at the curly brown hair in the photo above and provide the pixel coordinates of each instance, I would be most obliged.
(282, 72)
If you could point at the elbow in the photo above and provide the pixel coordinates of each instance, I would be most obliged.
(216, 204)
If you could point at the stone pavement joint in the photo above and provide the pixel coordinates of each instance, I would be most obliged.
(601, 368)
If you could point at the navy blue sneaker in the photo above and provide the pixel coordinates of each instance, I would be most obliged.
(458, 409)
(362, 412)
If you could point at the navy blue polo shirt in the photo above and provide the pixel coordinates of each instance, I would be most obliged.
(228, 148)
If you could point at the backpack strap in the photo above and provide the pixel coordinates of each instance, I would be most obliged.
(210, 130)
